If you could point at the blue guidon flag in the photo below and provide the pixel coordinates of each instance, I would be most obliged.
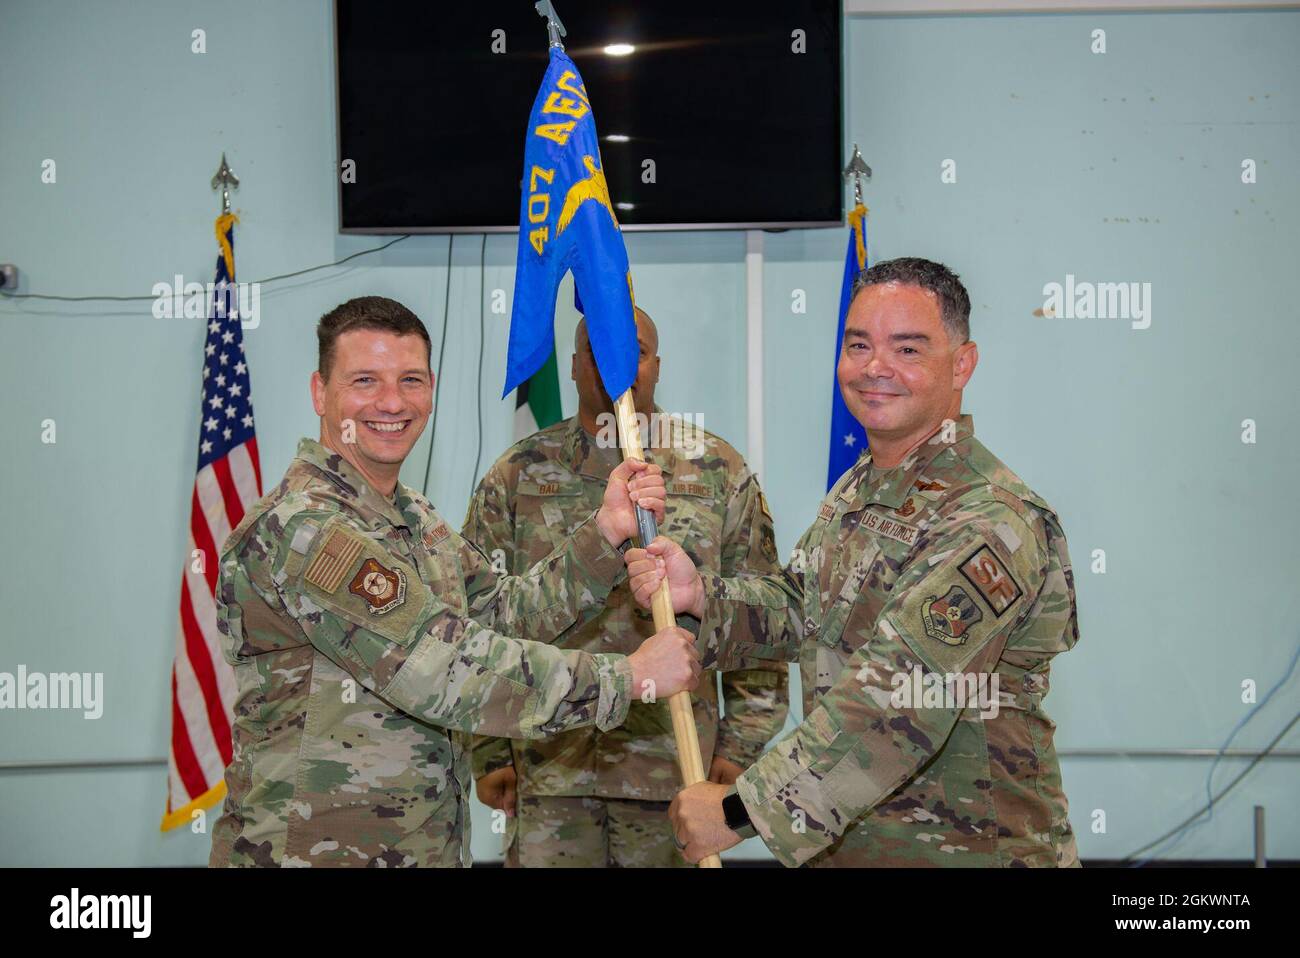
(848, 438)
(567, 222)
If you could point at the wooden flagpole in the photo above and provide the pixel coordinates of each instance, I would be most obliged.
(679, 705)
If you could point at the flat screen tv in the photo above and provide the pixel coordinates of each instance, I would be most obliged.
(735, 105)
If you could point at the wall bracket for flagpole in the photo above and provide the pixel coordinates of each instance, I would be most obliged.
(554, 28)
(857, 168)
(224, 179)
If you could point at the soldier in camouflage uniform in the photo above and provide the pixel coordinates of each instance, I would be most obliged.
(924, 606)
(592, 797)
(366, 635)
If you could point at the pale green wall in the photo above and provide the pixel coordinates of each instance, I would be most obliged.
(1114, 168)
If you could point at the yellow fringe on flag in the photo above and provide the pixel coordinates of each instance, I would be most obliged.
(224, 222)
(182, 816)
(856, 220)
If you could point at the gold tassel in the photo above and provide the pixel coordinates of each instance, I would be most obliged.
(224, 222)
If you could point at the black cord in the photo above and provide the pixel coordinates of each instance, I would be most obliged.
(1231, 785)
(482, 292)
(260, 282)
(437, 379)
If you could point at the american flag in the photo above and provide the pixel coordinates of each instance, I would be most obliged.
(228, 482)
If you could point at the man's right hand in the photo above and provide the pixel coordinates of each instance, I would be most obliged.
(497, 790)
(665, 664)
(646, 568)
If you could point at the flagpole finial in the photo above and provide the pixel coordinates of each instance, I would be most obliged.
(857, 168)
(225, 178)
(554, 28)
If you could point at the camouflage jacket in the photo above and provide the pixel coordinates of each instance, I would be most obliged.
(362, 635)
(529, 501)
(915, 591)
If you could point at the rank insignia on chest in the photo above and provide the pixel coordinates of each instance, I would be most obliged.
(948, 618)
(907, 508)
(383, 589)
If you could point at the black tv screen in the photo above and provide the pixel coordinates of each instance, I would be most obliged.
(736, 103)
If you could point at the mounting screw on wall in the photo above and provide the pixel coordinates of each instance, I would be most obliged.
(8, 277)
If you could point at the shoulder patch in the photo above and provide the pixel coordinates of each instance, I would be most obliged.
(947, 617)
(990, 577)
(331, 564)
(827, 511)
(383, 589)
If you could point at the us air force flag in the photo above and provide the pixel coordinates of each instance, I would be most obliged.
(567, 222)
(848, 438)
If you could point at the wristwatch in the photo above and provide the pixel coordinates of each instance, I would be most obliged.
(623, 546)
(736, 815)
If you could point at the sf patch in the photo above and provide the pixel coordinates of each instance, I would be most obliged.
(383, 589)
(948, 617)
(990, 577)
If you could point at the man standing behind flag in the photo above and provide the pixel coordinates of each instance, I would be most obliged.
(567, 222)
(594, 798)
(367, 637)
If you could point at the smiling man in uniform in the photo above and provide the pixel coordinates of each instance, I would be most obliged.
(368, 639)
(930, 566)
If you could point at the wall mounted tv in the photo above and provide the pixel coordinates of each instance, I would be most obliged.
(737, 106)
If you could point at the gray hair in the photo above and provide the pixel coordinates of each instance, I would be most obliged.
(954, 302)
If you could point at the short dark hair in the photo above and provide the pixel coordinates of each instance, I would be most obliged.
(954, 302)
(366, 312)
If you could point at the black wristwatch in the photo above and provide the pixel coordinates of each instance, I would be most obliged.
(736, 815)
(623, 546)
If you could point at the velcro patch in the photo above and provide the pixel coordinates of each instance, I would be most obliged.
(548, 488)
(689, 489)
(384, 589)
(947, 617)
(436, 534)
(890, 528)
(827, 511)
(989, 576)
(333, 561)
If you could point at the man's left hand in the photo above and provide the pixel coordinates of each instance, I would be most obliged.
(633, 483)
(698, 823)
(724, 771)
